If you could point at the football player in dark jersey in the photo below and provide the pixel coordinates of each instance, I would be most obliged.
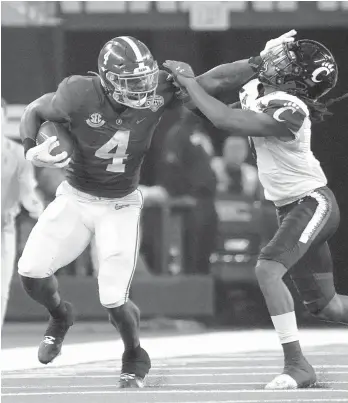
(277, 111)
(111, 116)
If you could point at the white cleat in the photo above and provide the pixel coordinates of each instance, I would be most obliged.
(282, 382)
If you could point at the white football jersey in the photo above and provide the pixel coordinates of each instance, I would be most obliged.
(288, 170)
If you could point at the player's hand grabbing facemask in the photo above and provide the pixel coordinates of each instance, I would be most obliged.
(273, 43)
(40, 155)
(180, 72)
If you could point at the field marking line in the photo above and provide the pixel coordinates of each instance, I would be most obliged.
(168, 385)
(72, 375)
(178, 391)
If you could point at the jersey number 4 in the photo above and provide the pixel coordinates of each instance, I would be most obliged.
(115, 148)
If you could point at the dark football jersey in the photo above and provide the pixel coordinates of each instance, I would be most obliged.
(110, 140)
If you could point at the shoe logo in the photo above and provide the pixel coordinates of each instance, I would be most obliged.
(120, 206)
(49, 339)
(127, 377)
(139, 121)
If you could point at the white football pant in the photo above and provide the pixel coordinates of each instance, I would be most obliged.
(68, 225)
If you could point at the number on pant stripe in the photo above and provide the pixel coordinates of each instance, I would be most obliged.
(118, 141)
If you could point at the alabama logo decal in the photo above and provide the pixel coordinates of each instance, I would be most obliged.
(155, 102)
(95, 120)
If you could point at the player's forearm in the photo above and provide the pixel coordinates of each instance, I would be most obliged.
(241, 123)
(29, 125)
(227, 77)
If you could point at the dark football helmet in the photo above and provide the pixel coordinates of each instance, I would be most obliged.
(303, 68)
(128, 72)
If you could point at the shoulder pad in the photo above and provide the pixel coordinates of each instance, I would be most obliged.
(285, 108)
(249, 92)
(72, 91)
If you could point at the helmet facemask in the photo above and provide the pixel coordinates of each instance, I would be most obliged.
(278, 65)
(135, 90)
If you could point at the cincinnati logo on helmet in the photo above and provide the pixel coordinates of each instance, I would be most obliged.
(326, 68)
(154, 102)
(95, 120)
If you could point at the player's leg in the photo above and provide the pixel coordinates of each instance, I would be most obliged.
(280, 306)
(117, 241)
(56, 240)
(8, 254)
(314, 280)
(312, 219)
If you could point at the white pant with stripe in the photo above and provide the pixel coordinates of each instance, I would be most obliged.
(69, 224)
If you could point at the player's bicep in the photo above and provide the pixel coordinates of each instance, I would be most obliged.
(248, 123)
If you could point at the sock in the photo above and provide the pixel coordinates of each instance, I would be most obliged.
(134, 351)
(59, 312)
(292, 352)
(286, 327)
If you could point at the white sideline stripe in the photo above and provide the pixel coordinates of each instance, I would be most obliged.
(180, 346)
(198, 375)
(167, 369)
(179, 391)
(149, 386)
(187, 368)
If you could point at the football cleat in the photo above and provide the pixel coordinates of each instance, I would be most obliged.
(297, 376)
(51, 345)
(134, 369)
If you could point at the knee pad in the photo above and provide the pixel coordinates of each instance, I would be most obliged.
(111, 295)
(114, 284)
(28, 268)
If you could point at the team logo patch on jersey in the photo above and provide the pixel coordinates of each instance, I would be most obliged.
(286, 111)
(154, 103)
(95, 120)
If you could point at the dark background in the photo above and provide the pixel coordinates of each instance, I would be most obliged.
(35, 59)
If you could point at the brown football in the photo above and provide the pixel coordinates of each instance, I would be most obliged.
(49, 129)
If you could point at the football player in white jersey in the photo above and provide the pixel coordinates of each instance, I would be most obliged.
(277, 112)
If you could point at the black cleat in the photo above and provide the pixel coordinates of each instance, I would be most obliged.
(134, 369)
(51, 344)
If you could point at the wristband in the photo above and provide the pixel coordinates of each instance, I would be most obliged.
(28, 143)
(255, 63)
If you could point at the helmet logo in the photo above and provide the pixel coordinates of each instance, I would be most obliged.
(106, 56)
(325, 67)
